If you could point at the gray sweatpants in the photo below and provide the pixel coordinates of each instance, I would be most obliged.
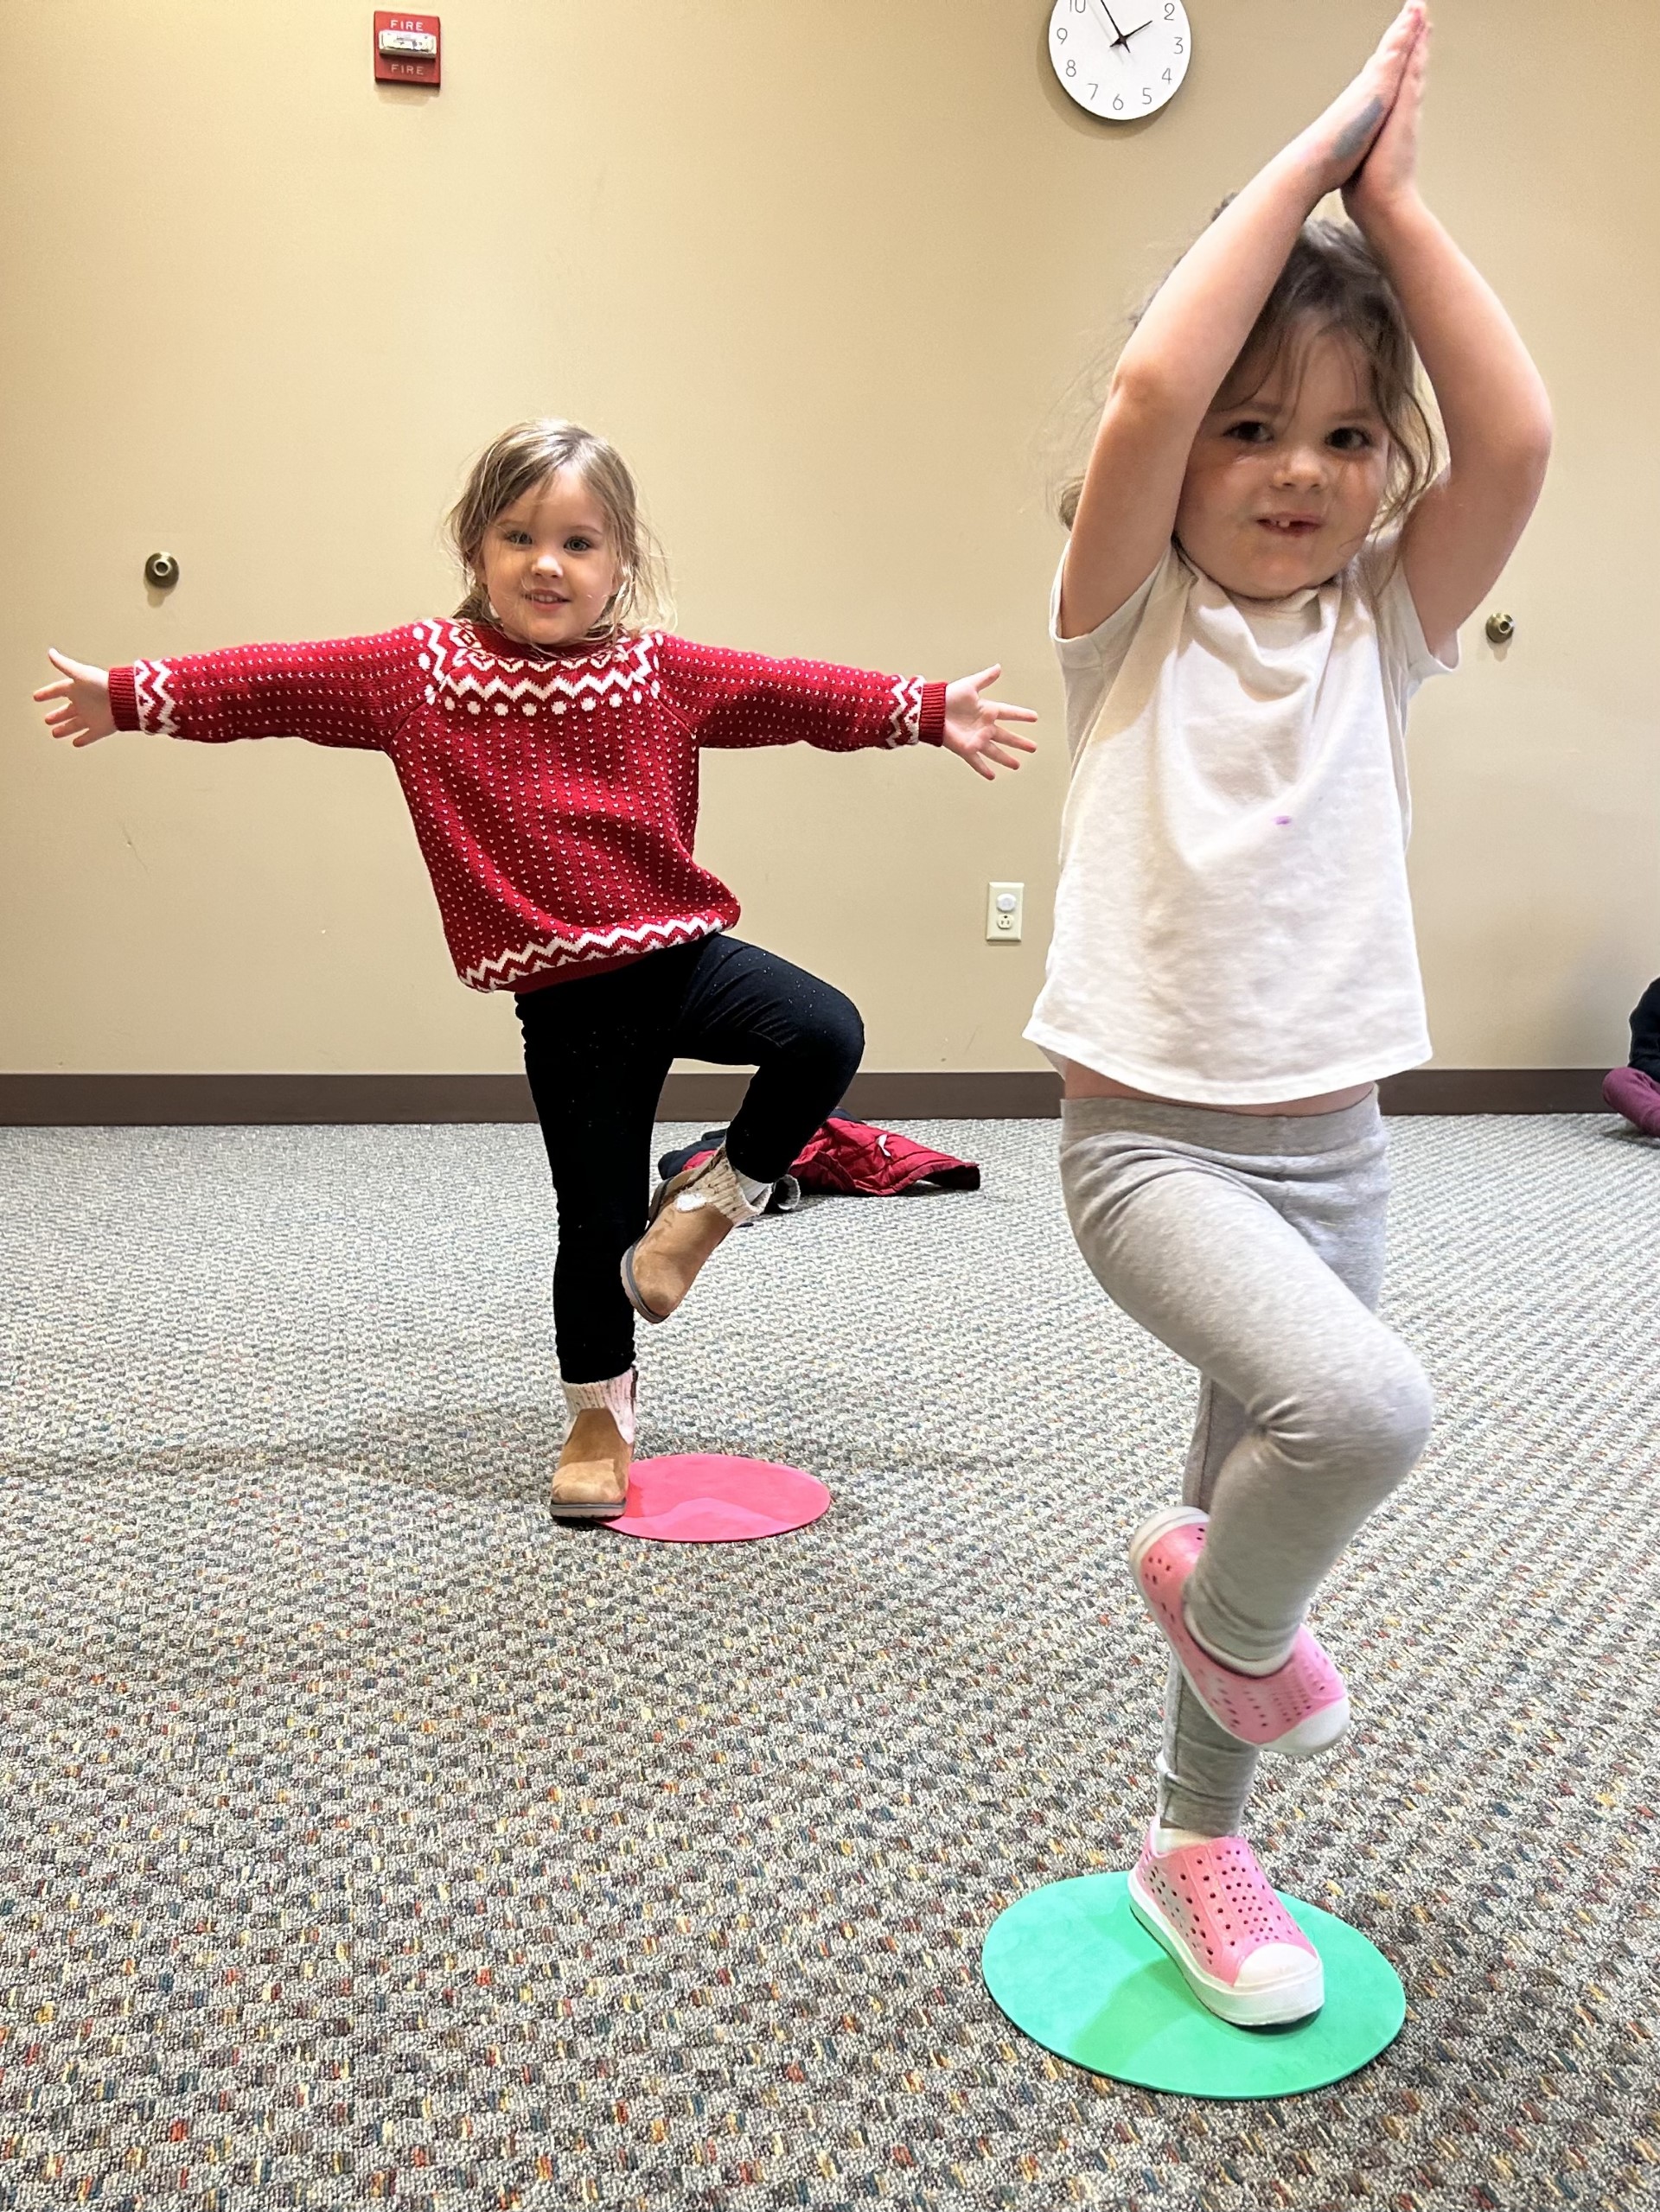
(1253, 1245)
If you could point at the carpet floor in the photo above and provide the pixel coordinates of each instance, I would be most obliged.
(365, 1836)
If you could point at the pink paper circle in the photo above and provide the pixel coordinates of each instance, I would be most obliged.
(704, 1497)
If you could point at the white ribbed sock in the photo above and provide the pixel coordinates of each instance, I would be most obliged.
(720, 1185)
(757, 1193)
(616, 1397)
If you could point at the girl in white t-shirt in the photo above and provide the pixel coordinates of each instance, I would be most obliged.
(1263, 566)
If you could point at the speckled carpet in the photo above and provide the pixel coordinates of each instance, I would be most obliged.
(367, 1837)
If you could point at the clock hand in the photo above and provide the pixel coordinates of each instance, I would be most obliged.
(1121, 38)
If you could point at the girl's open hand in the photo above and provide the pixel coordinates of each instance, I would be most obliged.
(1388, 175)
(1342, 139)
(973, 726)
(78, 704)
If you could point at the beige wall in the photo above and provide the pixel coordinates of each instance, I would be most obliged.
(826, 273)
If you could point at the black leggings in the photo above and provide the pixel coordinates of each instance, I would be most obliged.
(597, 1050)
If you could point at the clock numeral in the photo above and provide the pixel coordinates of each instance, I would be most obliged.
(1115, 97)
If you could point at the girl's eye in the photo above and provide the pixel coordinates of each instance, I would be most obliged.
(1251, 433)
(1352, 440)
(516, 537)
(578, 545)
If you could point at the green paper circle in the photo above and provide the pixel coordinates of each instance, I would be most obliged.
(1073, 1969)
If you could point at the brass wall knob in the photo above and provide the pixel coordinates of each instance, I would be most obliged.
(1501, 628)
(161, 571)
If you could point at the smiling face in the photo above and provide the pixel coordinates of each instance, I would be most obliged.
(549, 563)
(1284, 483)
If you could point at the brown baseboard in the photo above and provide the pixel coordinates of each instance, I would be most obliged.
(1002, 1094)
(1494, 1090)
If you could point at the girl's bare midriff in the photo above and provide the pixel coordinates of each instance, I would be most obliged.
(1079, 1082)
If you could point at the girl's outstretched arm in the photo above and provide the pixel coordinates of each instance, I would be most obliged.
(745, 699)
(350, 692)
(1493, 403)
(1191, 334)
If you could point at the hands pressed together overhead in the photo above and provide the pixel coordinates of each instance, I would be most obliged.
(1366, 143)
(1388, 175)
(973, 726)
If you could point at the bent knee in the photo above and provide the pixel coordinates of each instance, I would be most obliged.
(1372, 1428)
(833, 1042)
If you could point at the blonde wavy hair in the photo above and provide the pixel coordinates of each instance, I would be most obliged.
(1333, 281)
(522, 459)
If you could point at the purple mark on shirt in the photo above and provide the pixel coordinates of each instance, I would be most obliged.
(1283, 821)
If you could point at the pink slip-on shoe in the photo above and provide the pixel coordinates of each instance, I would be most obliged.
(1636, 1095)
(1298, 1711)
(1240, 1952)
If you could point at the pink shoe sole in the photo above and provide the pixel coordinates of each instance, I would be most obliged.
(1213, 1909)
(1297, 1712)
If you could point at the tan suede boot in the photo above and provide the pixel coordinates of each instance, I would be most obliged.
(692, 1213)
(591, 1479)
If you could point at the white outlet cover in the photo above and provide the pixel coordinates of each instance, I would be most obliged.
(1006, 913)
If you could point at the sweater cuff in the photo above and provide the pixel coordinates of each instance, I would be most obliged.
(124, 699)
(930, 720)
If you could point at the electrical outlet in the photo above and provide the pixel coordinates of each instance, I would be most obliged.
(1006, 910)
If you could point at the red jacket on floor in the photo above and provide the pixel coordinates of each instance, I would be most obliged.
(852, 1159)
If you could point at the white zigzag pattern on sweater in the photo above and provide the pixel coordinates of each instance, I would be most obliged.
(157, 709)
(905, 723)
(470, 670)
(501, 970)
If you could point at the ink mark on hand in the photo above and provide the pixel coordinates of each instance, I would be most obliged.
(1354, 140)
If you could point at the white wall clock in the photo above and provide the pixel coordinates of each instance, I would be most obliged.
(1120, 57)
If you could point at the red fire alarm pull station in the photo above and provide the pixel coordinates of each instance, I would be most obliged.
(408, 50)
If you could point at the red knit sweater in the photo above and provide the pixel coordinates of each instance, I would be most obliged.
(554, 792)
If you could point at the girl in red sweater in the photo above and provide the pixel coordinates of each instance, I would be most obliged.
(547, 739)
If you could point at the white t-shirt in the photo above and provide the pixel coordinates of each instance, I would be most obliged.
(1233, 924)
